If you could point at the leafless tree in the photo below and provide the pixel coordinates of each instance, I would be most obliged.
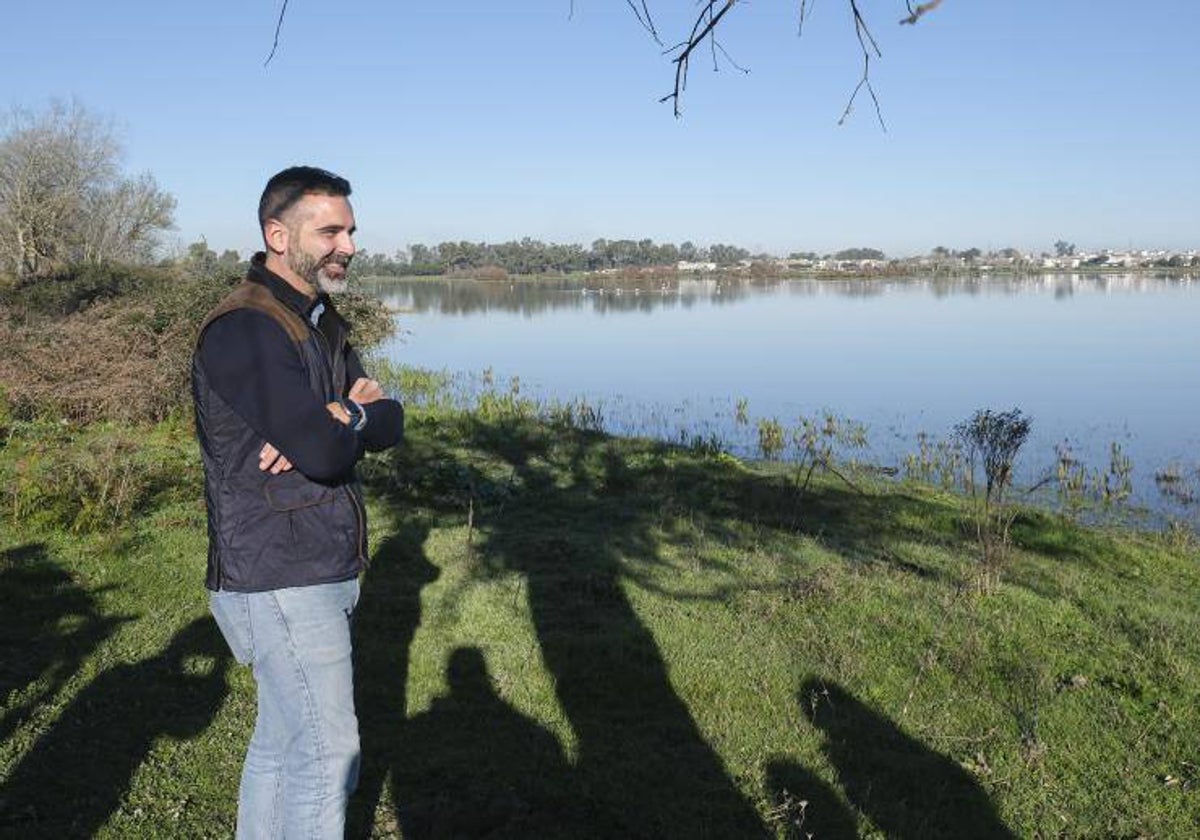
(63, 197)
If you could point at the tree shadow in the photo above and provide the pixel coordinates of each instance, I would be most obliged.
(48, 626)
(907, 789)
(863, 527)
(72, 780)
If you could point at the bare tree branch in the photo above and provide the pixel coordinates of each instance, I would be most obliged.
(643, 17)
(700, 30)
(711, 14)
(729, 58)
(804, 8)
(278, 26)
(866, 41)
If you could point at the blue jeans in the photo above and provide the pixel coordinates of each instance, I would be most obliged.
(302, 762)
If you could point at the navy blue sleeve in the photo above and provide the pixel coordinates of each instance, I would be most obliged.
(385, 418)
(255, 367)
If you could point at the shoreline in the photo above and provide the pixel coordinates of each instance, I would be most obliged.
(747, 274)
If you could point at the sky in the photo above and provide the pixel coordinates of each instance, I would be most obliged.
(1012, 123)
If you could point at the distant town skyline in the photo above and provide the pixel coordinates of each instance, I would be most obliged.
(1007, 126)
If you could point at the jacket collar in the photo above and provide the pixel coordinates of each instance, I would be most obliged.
(287, 294)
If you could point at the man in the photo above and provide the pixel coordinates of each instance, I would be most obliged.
(283, 413)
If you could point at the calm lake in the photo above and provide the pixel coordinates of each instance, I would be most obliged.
(1092, 360)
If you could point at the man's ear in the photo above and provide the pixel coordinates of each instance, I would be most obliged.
(275, 236)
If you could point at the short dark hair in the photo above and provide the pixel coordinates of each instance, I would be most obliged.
(289, 186)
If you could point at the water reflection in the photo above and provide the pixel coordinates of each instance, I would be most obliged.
(603, 295)
(1094, 359)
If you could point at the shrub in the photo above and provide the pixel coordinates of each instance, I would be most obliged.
(371, 322)
(126, 359)
(993, 438)
(115, 343)
(77, 287)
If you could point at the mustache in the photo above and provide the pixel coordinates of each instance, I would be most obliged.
(336, 259)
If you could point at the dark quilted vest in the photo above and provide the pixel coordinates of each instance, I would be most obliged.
(274, 531)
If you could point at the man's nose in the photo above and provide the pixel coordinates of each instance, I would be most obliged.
(346, 244)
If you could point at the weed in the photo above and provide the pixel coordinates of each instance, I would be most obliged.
(94, 480)
(741, 414)
(772, 439)
(817, 439)
(937, 462)
(994, 438)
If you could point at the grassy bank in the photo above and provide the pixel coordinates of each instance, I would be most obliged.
(565, 634)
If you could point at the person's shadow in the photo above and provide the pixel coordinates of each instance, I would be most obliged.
(72, 780)
(48, 626)
(907, 789)
(806, 807)
(476, 767)
(385, 622)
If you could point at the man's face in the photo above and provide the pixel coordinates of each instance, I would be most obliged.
(320, 244)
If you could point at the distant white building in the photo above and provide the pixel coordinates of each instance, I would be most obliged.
(685, 265)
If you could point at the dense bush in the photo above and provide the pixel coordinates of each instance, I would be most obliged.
(371, 322)
(115, 343)
(79, 286)
(103, 344)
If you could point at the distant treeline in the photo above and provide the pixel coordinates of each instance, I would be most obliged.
(532, 256)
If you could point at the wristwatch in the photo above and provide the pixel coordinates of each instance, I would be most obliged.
(358, 415)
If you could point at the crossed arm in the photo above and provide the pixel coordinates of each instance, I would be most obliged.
(364, 391)
(255, 368)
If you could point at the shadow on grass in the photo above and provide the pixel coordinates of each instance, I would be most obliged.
(73, 778)
(387, 617)
(484, 770)
(48, 626)
(580, 516)
(907, 789)
(805, 806)
(472, 764)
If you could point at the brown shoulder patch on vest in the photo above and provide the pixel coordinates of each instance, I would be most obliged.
(248, 295)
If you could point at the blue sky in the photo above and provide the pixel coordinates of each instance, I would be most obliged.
(1008, 123)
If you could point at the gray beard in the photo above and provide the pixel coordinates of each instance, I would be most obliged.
(330, 286)
(314, 274)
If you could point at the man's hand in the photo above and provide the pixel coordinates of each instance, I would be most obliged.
(272, 460)
(339, 412)
(366, 391)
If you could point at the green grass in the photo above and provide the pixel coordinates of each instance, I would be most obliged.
(565, 634)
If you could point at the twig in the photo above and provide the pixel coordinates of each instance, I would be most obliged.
(804, 8)
(865, 38)
(643, 17)
(278, 26)
(694, 40)
(729, 58)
